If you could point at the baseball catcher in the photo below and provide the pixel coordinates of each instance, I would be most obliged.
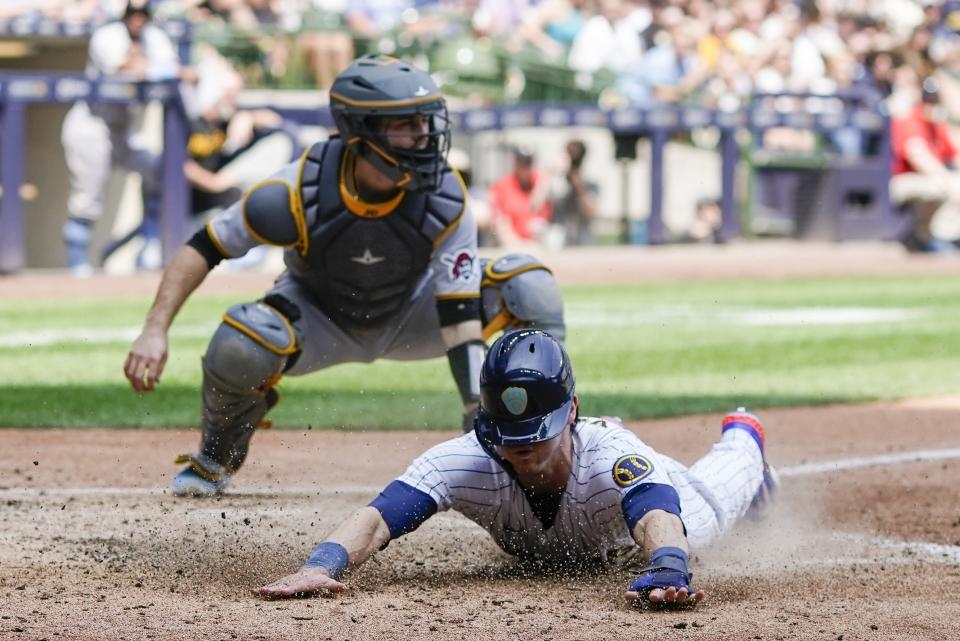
(381, 263)
(549, 485)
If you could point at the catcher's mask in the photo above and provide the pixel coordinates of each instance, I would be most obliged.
(526, 389)
(376, 87)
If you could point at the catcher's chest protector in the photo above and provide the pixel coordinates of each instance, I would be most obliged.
(362, 267)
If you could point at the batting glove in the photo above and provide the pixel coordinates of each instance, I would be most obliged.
(667, 569)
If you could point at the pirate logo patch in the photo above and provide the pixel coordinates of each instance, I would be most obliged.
(460, 263)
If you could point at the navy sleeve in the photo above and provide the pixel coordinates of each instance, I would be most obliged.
(403, 507)
(646, 497)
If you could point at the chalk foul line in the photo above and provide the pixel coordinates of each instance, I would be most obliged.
(810, 469)
(806, 469)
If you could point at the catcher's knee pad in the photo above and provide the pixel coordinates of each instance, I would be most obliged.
(251, 348)
(517, 291)
(246, 357)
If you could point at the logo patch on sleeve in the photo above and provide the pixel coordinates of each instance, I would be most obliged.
(630, 469)
(460, 263)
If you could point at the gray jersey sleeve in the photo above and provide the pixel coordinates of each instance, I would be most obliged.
(230, 230)
(455, 267)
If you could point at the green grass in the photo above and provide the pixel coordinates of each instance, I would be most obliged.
(638, 351)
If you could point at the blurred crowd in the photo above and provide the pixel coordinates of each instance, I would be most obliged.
(718, 54)
(713, 52)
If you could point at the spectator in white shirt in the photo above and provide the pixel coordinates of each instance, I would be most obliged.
(96, 136)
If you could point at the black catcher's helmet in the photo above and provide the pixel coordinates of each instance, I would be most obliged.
(526, 389)
(374, 87)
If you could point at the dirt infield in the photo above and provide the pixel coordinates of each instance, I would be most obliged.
(92, 547)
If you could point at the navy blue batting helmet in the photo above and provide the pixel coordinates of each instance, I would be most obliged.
(526, 389)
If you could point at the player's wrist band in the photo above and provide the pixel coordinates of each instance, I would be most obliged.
(667, 568)
(330, 556)
(671, 558)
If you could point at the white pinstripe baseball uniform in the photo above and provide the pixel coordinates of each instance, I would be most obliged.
(615, 480)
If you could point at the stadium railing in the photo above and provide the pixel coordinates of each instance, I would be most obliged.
(659, 123)
(38, 29)
(834, 186)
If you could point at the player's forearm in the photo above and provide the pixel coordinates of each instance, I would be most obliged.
(361, 535)
(184, 274)
(465, 351)
(204, 179)
(461, 333)
(666, 576)
(659, 529)
(266, 119)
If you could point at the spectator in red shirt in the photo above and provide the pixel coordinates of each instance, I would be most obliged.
(924, 176)
(520, 202)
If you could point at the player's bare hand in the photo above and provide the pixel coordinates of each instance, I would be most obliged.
(145, 362)
(304, 582)
(668, 597)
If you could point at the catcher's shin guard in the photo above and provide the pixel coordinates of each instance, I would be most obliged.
(230, 417)
(246, 357)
